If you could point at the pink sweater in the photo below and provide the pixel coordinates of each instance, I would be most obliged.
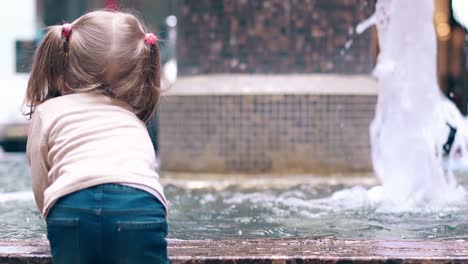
(81, 140)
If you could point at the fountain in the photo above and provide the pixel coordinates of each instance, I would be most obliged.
(414, 126)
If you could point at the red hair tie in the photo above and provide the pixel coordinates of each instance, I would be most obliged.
(151, 39)
(66, 31)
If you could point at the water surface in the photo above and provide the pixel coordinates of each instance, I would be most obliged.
(255, 207)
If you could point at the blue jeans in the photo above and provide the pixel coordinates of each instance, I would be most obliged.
(108, 223)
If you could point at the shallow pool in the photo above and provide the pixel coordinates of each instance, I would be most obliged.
(243, 206)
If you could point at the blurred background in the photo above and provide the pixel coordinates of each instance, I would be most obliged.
(23, 23)
(238, 48)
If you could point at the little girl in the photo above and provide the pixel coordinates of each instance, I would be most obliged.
(93, 84)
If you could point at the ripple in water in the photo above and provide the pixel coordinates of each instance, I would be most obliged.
(332, 211)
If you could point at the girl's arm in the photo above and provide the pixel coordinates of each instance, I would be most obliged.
(36, 152)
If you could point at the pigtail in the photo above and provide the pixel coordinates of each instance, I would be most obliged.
(152, 79)
(46, 80)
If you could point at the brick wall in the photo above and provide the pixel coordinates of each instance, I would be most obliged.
(273, 36)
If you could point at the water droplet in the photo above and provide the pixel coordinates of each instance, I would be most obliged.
(348, 44)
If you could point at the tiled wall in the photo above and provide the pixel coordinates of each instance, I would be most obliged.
(266, 133)
(273, 36)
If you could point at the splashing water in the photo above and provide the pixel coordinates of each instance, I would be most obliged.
(412, 118)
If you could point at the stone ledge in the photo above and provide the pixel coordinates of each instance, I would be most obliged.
(276, 251)
(258, 84)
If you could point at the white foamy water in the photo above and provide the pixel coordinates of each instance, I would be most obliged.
(410, 126)
(16, 196)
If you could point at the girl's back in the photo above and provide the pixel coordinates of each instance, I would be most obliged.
(90, 139)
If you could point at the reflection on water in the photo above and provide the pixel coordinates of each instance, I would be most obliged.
(255, 209)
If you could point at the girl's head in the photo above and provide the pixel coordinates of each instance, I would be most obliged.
(104, 52)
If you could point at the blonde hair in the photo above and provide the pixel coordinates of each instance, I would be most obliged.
(106, 53)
